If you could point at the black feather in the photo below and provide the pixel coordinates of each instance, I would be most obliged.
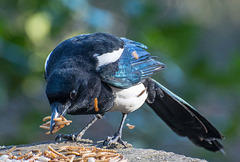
(181, 117)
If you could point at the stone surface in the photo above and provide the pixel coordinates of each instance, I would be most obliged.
(131, 154)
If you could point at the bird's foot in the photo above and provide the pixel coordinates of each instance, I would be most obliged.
(116, 142)
(65, 137)
(71, 137)
(68, 137)
(77, 136)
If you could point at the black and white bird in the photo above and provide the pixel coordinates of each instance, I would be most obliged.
(114, 73)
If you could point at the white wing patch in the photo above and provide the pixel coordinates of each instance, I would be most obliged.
(46, 62)
(109, 57)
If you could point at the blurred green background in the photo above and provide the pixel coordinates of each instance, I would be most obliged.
(199, 41)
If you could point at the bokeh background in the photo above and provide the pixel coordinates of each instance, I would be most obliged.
(199, 41)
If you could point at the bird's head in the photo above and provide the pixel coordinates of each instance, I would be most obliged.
(62, 90)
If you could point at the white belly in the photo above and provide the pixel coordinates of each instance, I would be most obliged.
(129, 100)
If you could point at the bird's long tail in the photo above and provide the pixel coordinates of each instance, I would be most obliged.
(181, 117)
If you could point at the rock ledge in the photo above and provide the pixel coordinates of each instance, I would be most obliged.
(131, 154)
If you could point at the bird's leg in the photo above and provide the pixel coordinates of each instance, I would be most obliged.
(117, 137)
(78, 136)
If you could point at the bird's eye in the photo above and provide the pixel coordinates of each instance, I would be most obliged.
(73, 94)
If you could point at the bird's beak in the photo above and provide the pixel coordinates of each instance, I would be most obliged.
(57, 110)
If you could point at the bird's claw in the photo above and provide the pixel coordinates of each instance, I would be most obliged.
(114, 141)
(65, 137)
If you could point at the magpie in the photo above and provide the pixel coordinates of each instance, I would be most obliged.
(98, 73)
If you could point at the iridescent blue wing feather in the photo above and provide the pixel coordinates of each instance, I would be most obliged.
(134, 65)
